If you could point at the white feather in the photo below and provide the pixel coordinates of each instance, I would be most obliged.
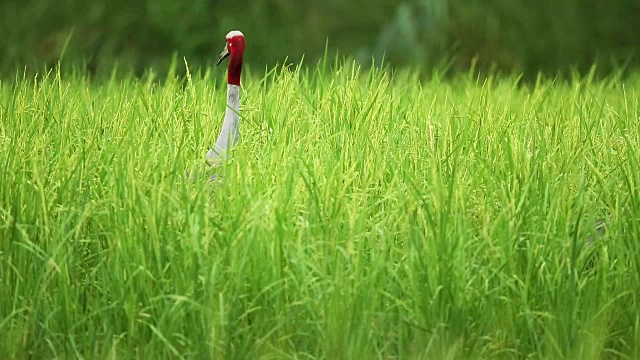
(234, 33)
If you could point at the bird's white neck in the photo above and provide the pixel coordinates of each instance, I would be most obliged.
(230, 127)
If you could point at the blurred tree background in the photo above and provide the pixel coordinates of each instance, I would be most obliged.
(526, 36)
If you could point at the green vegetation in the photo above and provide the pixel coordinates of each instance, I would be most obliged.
(363, 215)
(552, 36)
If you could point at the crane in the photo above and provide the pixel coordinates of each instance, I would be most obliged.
(234, 48)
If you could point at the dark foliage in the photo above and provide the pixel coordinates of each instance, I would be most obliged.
(546, 35)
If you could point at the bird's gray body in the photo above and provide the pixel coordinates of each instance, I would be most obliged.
(230, 127)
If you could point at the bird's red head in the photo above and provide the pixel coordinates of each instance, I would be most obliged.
(235, 49)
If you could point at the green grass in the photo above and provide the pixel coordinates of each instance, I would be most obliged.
(363, 215)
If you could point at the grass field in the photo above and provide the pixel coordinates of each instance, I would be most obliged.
(363, 215)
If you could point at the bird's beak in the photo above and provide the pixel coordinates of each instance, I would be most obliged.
(224, 54)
